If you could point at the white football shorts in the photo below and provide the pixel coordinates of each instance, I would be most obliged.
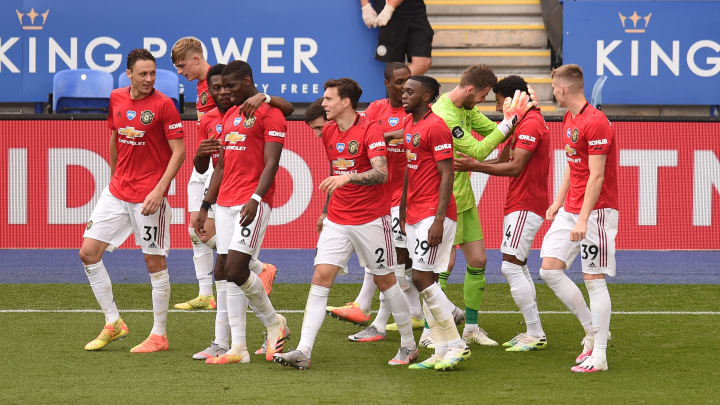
(425, 257)
(233, 236)
(519, 229)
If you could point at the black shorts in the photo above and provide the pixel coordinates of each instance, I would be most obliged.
(404, 36)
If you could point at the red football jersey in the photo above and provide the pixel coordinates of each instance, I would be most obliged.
(426, 142)
(204, 102)
(590, 133)
(243, 142)
(143, 129)
(529, 190)
(211, 128)
(350, 152)
(390, 120)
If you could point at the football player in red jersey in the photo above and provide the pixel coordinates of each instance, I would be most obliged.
(243, 183)
(428, 214)
(526, 160)
(584, 215)
(357, 221)
(146, 152)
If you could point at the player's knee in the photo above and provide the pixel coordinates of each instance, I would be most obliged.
(237, 275)
(478, 262)
(422, 279)
(155, 263)
(87, 256)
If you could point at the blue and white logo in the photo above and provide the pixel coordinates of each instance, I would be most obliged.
(130, 114)
(218, 128)
(340, 147)
(408, 138)
(568, 133)
(237, 121)
(393, 121)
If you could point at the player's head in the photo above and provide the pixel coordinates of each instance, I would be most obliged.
(141, 71)
(187, 56)
(315, 117)
(238, 81)
(396, 74)
(419, 91)
(215, 84)
(340, 95)
(506, 88)
(476, 82)
(567, 82)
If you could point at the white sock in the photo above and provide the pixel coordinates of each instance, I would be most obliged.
(529, 277)
(600, 307)
(261, 304)
(436, 301)
(203, 260)
(367, 292)
(401, 312)
(161, 301)
(237, 305)
(570, 295)
(440, 345)
(102, 288)
(222, 322)
(383, 315)
(522, 293)
(212, 242)
(313, 319)
(255, 266)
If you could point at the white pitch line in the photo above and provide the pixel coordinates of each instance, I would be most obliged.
(300, 311)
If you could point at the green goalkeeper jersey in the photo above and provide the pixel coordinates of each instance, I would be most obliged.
(461, 123)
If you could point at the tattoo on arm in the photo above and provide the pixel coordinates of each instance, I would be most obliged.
(377, 175)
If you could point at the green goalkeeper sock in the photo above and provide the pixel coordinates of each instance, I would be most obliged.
(473, 291)
(443, 278)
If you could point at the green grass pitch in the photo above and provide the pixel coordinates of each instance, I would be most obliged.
(653, 358)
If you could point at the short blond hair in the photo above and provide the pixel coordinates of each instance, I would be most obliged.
(185, 47)
(572, 74)
(479, 76)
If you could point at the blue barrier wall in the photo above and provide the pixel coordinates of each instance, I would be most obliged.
(652, 52)
(293, 46)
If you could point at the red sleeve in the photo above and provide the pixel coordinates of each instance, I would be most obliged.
(375, 141)
(274, 126)
(110, 118)
(528, 134)
(371, 111)
(172, 125)
(599, 136)
(203, 128)
(440, 141)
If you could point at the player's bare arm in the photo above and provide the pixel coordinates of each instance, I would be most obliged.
(403, 203)
(210, 195)
(272, 163)
(560, 197)
(513, 168)
(377, 175)
(207, 148)
(154, 200)
(251, 105)
(113, 152)
(435, 233)
(596, 164)
(319, 225)
(389, 136)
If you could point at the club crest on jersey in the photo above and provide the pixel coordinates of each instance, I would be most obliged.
(340, 147)
(575, 134)
(393, 121)
(249, 122)
(457, 132)
(218, 128)
(89, 224)
(237, 121)
(416, 140)
(146, 117)
(353, 147)
(130, 114)
(203, 98)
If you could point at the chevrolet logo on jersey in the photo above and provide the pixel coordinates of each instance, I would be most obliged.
(410, 156)
(131, 132)
(570, 151)
(343, 164)
(395, 142)
(234, 137)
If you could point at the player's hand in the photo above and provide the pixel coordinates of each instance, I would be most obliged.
(551, 212)
(319, 225)
(464, 163)
(402, 220)
(152, 202)
(533, 97)
(369, 15)
(385, 15)
(514, 108)
(435, 233)
(208, 147)
(252, 104)
(248, 212)
(332, 183)
(579, 230)
(199, 224)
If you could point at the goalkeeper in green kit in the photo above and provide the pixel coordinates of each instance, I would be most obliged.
(458, 109)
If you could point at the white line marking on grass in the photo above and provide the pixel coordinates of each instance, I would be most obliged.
(300, 311)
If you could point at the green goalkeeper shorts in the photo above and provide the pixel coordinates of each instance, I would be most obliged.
(468, 227)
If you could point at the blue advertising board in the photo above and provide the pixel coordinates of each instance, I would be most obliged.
(651, 52)
(293, 46)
